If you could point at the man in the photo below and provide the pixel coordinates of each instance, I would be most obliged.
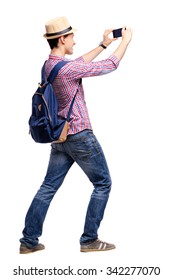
(81, 145)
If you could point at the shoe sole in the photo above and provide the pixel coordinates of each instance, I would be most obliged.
(28, 251)
(96, 250)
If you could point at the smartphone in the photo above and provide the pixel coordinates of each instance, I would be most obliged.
(117, 33)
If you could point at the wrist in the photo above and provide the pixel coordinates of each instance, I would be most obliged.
(125, 42)
(102, 45)
(106, 43)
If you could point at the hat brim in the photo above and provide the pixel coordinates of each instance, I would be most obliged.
(57, 36)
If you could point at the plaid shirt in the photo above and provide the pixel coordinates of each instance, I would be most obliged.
(67, 82)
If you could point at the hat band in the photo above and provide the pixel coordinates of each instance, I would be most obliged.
(59, 33)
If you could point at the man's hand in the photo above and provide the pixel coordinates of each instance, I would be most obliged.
(106, 39)
(126, 35)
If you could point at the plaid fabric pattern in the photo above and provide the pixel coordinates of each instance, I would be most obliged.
(67, 82)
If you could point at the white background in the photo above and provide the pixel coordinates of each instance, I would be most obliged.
(131, 114)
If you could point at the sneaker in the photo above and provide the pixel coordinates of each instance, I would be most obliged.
(97, 245)
(25, 250)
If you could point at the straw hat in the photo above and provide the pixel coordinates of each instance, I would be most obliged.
(58, 27)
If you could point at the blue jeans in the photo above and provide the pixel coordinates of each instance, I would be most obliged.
(84, 149)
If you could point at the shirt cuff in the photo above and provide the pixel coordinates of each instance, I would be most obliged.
(115, 60)
(80, 59)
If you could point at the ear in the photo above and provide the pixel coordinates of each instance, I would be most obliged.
(62, 40)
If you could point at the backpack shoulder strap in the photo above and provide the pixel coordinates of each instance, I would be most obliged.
(53, 73)
(55, 70)
(71, 105)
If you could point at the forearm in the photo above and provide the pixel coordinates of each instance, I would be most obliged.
(88, 57)
(120, 51)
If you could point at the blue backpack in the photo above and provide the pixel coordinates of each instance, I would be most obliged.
(44, 124)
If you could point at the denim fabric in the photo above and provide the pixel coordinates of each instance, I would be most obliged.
(84, 149)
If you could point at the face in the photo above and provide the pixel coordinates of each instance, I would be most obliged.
(69, 43)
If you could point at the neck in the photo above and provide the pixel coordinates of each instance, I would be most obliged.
(58, 52)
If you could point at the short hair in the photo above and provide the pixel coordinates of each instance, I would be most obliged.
(53, 43)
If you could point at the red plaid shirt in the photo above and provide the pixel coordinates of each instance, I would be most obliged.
(67, 82)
